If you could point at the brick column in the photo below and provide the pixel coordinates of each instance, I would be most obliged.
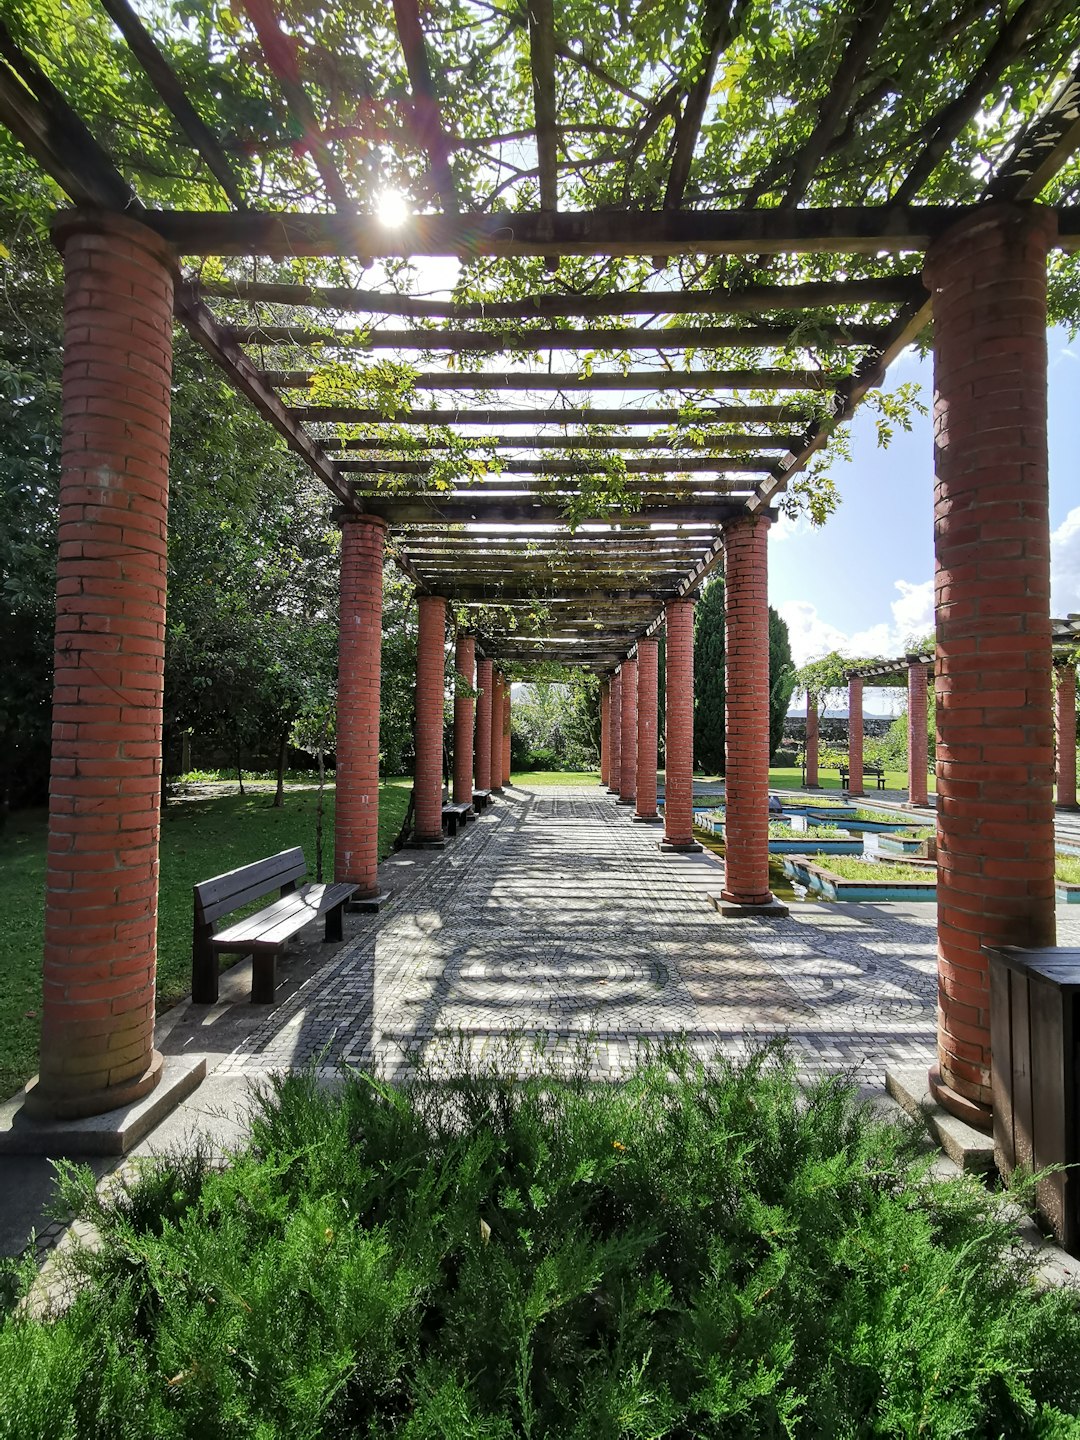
(496, 731)
(812, 742)
(1066, 737)
(483, 724)
(506, 732)
(356, 806)
(746, 656)
(430, 703)
(645, 789)
(464, 718)
(855, 735)
(615, 735)
(918, 739)
(97, 1029)
(679, 728)
(605, 731)
(987, 277)
(628, 738)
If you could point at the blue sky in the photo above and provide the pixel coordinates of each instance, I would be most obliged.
(863, 582)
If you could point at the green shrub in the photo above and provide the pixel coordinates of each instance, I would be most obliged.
(703, 1251)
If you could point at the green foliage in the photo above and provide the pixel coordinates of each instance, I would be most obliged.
(556, 723)
(706, 1250)
(881, 872)
(710, 694)
(1067, 869)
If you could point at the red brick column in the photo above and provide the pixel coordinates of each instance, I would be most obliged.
(855, 735)
(615, 735)
(507, 688)
(628, 741)
(1066, 737)
(918, 739)
(483, 724)
(496, 730)
(605, 731)
(811, 742)
(746, 645)
(97, 1031)
(430, 703)
(356, 807)
(987, 276)
(679, 728)
(464, 718)
(645, 789)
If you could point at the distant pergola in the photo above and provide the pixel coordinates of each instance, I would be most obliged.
(775, 345)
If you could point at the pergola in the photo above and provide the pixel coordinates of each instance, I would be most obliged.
(702, 285)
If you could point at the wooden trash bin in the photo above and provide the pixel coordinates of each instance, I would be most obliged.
(1034, 1035)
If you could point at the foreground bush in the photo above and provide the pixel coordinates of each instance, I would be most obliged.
(703, 1251)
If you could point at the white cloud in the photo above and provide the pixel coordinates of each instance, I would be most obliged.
(1065, 566)
(912, 614)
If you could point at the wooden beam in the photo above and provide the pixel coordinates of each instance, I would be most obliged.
(1045, 146)
(844, 229)
(678, 337)
(202, 325)
(712, 414)
(830, 295)
(42, 121)
(167, 84)
(575, 443)
(425, 105)
(658, 465)
(648, 380)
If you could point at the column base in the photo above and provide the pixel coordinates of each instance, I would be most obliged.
(652, 819)
(808, 786)
(734, 909)
(496, 789)
(981, 1117)
(367, 904)
(417, 842)
(613, 790)
(1069, 808)
(40, 1104)
(679, 847)
(626, 800)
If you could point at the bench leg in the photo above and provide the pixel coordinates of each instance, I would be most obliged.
(333, 927)
(204, 973)
(263, 977)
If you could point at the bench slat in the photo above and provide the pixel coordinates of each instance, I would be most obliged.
(224, 893)
(276, 923)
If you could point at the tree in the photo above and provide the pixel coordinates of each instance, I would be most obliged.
(710, 692)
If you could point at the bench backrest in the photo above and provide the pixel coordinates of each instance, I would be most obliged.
(226, 893)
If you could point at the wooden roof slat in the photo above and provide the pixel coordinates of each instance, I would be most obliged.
(840, 229)
(167, 84)
(868, 22)
(746, 300)
(960, 111)
(426, 113)
(1046, 144)
(707, 415)
(718, 337)
(280, 52)
(574, 442)
(530, 512)
(658, 465)
(648, 380)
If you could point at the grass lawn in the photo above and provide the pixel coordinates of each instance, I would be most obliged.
(1067, 869)
(704, 1251)
(854, 867)
(199, 838)
(528, 778)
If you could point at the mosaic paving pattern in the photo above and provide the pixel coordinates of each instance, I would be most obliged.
(556, 922)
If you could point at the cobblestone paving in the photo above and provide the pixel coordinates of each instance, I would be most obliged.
(555, 922)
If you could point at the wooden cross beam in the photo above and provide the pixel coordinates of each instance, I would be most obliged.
(601, 380)
(681, 337)
(577, 443)
(695, 418)
(659, 465)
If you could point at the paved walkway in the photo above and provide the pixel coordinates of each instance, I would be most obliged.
(556, 919)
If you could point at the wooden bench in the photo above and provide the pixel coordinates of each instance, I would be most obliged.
(878, 771)
(455, 816)
(265, 933)
(481, 799)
